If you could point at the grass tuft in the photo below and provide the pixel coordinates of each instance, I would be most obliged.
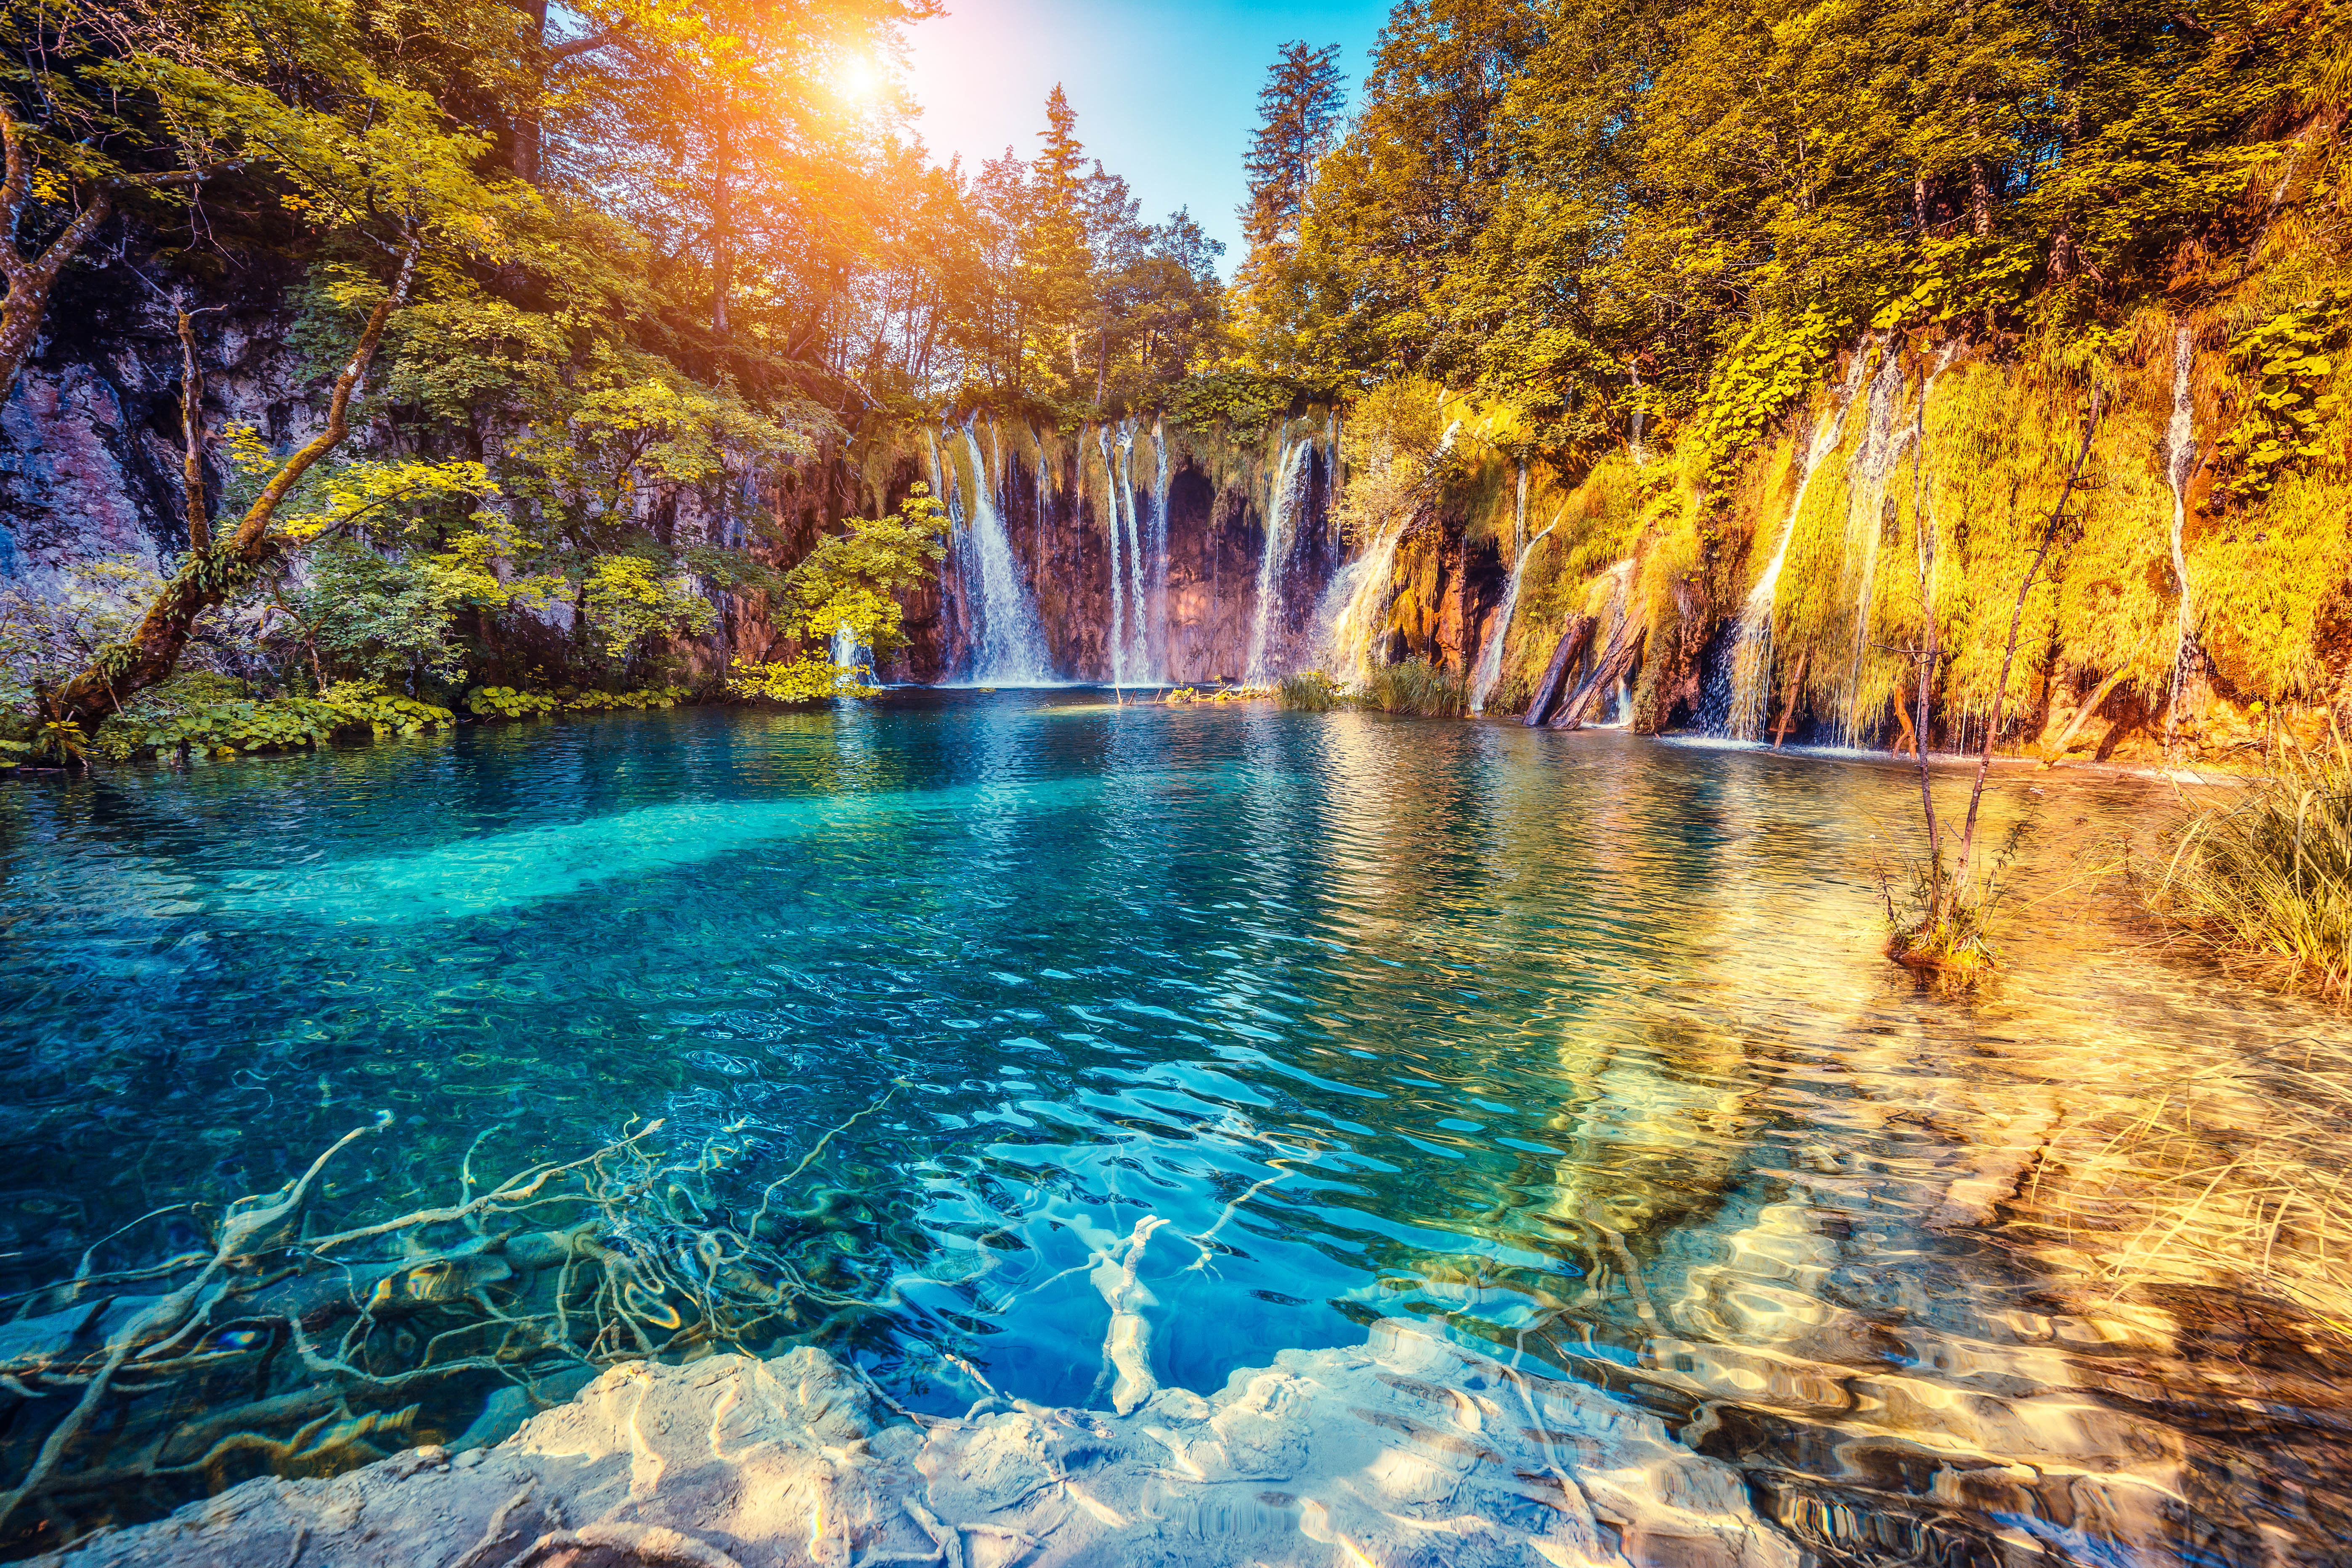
(2265, 878)
(1310, 691)
(1417, 686)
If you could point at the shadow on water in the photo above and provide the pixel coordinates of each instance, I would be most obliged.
(1578, 1043)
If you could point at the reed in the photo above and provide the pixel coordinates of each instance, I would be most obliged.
(1310, 691)
(2264, 878)
(1417, 686)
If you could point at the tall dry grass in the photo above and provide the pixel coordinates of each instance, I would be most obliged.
(2265, 880)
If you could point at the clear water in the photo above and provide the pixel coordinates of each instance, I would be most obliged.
(1580, 1043)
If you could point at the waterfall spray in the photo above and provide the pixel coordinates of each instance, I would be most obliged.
(2180, 463)
(1287, 495)
(1008, 645)
(1751, 664)
(1490, 657)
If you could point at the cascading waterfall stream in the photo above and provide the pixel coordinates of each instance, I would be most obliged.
(1355, 605)
(1138, 645)
(1159, 642)
(1751, 665)
(1115, 637)
(1885, 438)
(1641, 409)
(1285, 500)
(1008, 645)
(2180, 463)
(1490, 657)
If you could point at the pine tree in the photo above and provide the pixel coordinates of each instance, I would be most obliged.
(1298, 117)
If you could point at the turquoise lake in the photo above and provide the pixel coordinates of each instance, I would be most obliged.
(1583, 1044)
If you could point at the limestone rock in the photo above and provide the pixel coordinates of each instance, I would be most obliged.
(1406, 1450)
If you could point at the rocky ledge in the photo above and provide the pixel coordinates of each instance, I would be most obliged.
(1408, 1450)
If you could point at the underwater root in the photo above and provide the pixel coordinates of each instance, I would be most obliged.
(292, 1349)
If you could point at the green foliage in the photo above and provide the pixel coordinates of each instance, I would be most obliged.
(193, 717)
(1775, 363)
(1959, 278)
(1241, 401)
(628, 599)
(506, 702)
(615, 701)
(851, 581)
(810, 678)
(2280, 420)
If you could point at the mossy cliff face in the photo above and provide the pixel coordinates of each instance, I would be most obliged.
(1939, 466)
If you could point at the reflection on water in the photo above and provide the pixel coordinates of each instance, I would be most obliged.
(1579, 1043)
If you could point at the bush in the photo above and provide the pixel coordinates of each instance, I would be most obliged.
(1310, 692)
(506, 702)
(2265, 879)
(193, 716)
(1417, 686)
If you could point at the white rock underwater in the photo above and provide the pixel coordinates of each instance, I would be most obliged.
(1408, 1450)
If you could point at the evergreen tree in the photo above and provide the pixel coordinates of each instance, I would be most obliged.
(1298, 116)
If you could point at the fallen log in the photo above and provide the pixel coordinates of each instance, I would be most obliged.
(1572, 643)
(1623, 647)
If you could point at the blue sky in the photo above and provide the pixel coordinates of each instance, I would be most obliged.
(1166, 93)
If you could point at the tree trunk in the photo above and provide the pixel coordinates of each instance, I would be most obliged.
(722, 255)
(191, 438)
(1623, 647)
(29, 282)
(1572, 643)
(1796, 690)
(124, 670)
(2056, 752)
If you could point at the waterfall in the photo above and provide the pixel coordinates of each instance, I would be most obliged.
(1882, 442)
(2180, 463)
(1519, 520)
(1354, 608)
(1129, 643)
(1641, 409)
(1490, 657)
(1008, 647)
(1115, 638)
(1751, 664)
(1138, 646)
(1284, 499)
(1159, 638)
(849, 657)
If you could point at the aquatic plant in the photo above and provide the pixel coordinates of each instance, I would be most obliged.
(282, 1345)
(1310, 691)
(2264, 878)
(1417, 686)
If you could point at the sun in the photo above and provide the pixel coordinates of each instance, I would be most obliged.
(857, 76)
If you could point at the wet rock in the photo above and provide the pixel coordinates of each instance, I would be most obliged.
(1407, 1449)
